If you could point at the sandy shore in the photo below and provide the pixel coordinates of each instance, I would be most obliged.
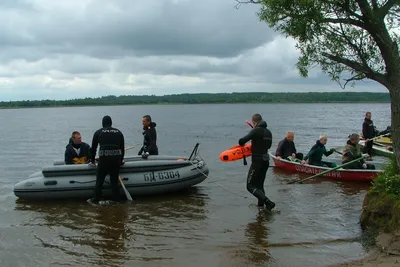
(386, 254)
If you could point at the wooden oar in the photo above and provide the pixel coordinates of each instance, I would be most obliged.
(377, 137)
(128, 196)
(327, 171)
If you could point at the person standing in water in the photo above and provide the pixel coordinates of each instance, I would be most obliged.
(149, 138)
(111, 157)
(261, 140)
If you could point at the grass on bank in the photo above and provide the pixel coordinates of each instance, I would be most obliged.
(388, 182)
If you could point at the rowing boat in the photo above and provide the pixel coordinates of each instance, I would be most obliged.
(339, 174)
(378, 150)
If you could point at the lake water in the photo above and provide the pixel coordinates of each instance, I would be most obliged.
(214, 224)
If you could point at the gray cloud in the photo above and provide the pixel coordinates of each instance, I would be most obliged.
(153, 27)
(77, 48)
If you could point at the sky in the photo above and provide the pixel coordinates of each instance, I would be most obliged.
(90, 48)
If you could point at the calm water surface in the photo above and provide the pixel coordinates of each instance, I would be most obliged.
(215, 223)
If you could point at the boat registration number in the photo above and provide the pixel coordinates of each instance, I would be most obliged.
(159, 176)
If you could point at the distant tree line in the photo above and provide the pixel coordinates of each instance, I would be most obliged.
(205, 98)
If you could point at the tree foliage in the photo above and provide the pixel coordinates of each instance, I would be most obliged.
(207, 99)
(359, 38)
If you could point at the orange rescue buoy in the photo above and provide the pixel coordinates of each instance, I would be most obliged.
(235, 153)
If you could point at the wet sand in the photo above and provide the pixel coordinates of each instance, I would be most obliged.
(385, 254)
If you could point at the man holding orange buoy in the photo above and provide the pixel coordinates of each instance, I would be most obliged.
(261, 140)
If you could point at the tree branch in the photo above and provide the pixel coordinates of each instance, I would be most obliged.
(246, 2)
(357, 49)
(384, 10)
(357, 77)
(381, 78)
(346, 7)
(345, 21)
(375, 4)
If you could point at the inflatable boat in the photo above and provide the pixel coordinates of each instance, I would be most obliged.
(154, 175)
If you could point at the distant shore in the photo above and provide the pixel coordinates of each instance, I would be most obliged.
(206, 98)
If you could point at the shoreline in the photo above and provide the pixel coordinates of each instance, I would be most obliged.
(386, 253)
(207, 98)
(204, 103)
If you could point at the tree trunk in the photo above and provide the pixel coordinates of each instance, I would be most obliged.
(395, 107)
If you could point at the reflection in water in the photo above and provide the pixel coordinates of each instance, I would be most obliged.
(117, 233)
(255, 248)
(257, 235)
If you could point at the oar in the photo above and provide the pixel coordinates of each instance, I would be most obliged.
(129, 147)
(327, 171)
(128, 196)
(340, 153)
(377, 137)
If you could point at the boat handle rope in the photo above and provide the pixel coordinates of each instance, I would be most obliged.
(77, 182)
(216, 182)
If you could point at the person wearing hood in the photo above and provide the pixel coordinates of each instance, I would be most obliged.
(149, 137)
(368, 131)
(76, 152)
(261, 140)
(111, 157)
(352, 151)
(314, 156)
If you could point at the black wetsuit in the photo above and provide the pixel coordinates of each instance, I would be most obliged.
(111, 155)
(261, 140)
(369, 132)
(149, 140)
(71, 156)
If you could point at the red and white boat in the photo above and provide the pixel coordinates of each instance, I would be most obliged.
(339, 174)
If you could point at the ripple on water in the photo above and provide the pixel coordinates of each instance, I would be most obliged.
(316, 223)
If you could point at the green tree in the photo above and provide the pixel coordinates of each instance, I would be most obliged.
(354, 38)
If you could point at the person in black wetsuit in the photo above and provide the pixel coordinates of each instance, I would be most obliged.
(261, 140)
(77, 152)
(286, 148)
(368, 131)
(111, 157)
(149, 138)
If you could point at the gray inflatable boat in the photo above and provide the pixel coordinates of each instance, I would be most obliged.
(154, 175)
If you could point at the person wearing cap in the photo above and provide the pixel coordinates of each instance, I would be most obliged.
(111, 157)
(352, 151)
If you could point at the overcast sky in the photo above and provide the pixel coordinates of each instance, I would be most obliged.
(77, 48)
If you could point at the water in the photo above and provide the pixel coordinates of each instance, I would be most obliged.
(315, 224)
